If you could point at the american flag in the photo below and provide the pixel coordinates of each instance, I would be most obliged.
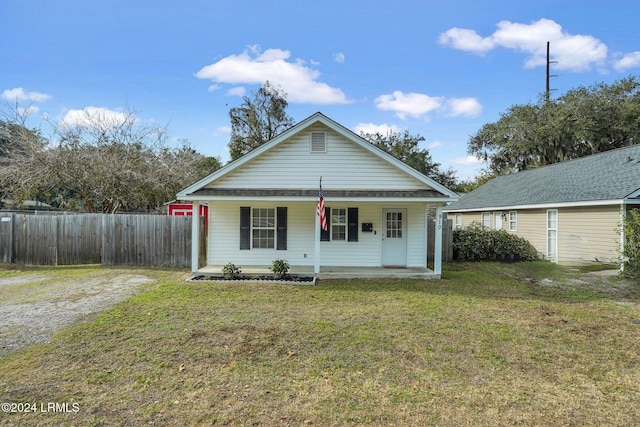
(321, 212)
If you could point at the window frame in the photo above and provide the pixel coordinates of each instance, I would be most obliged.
(270, 228)
(458, 223)
(552, 234)
(336, 225)
(513, 220)
(485, 220)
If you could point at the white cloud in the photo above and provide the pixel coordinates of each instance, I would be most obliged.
(435, 144)
(408, 104)
(339, 57)
(94, 116)
(371, 128)
(630, 60)
(467, 107)
(27, 111)
(18, 94)
(466, 40)
(467, 161)
(572, 52)
(237, 91)
(299, 81)
(416, 105)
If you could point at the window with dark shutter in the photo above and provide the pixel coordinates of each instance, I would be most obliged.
(352, 232)
(281, 231)
(245, 227)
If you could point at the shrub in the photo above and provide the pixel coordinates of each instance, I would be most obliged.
(631, 247)
(280, 268)
(231, 271)
(477, 243)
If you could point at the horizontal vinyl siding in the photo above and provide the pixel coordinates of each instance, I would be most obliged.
(416, 238)
(532, 226)
(584, 234)
(224, 236)
(588, 234)
(345, 165)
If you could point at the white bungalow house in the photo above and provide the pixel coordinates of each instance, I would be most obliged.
(263, 206)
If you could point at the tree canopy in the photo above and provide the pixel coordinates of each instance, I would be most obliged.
(99, 165)
(405, 147)
(583, 121)
(258, 120)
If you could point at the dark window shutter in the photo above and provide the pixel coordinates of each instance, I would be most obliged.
(352, 218)
(325, 236)
(281, 231)
(245, 227)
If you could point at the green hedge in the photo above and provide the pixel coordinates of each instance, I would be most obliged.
(477, 243)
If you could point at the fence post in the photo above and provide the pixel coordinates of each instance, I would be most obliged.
(6, 237)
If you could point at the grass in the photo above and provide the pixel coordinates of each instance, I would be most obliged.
(489, 344)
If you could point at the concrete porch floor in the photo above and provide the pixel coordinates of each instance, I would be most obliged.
(329, 272)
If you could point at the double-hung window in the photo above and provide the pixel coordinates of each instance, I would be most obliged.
(486, 220)
(513, 221)
(338, 224)
(264, 228)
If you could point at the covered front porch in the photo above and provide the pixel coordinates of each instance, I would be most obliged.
(336, 272)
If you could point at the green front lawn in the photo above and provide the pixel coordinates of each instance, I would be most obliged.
(489, 344)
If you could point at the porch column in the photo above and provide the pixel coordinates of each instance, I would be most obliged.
(316, 251)
(195, 236)
(437, 255)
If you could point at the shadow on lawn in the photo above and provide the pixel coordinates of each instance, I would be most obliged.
(528, 280)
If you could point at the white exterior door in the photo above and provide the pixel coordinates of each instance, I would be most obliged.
(497, 220)
(394, 237)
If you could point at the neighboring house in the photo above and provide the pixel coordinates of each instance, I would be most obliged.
(262, 207)
(571, 212)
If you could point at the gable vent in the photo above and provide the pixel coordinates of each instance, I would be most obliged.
(318, 142)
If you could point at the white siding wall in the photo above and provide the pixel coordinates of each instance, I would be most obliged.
(224, 236)
(345, 165)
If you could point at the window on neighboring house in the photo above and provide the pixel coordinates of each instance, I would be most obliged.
(458, 221)
(338, 224)
(486, 219)
(264, 228)
(552, 235)
(513, 221)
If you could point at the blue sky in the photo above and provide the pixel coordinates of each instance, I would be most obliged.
(440, 69)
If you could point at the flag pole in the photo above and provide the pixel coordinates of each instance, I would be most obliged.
(316, 262)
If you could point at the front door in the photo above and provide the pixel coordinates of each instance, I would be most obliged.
(394, 237)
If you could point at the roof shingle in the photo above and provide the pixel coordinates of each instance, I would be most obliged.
(611, 175)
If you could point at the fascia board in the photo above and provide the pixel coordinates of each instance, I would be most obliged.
(539, 206)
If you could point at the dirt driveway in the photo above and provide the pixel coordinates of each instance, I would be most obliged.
(34, 306)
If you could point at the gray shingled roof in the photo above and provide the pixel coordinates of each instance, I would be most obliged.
(612, 175)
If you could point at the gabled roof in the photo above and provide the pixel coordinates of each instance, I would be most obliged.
(199, 188)
(603, 178)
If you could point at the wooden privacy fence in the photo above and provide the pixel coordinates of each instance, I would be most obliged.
(143, 240)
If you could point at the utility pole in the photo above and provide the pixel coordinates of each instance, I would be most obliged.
(549, 62)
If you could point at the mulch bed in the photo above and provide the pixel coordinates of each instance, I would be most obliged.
(293, 279)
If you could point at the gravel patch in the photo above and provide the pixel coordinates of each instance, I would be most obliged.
(34, 307)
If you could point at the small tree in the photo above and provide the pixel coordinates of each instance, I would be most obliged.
(258, 120)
